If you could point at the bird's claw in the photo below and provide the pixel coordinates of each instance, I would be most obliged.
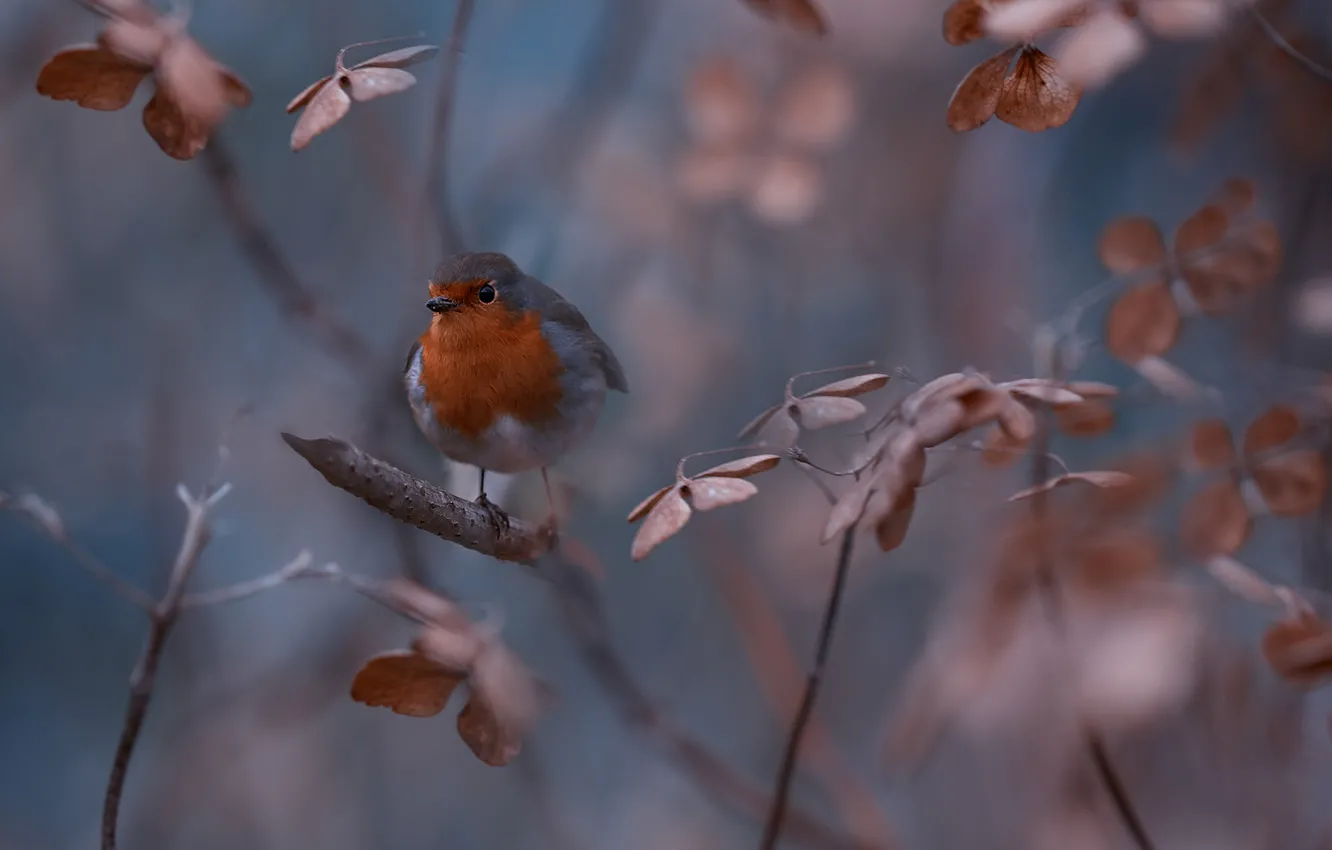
(498, 517)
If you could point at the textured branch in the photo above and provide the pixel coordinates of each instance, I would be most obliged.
(408, 499)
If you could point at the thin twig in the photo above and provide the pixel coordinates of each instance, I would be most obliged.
(436, 184)
(1289, 49)
(44, 517)
(302, 566)
(144, 676)
(296, 299)
(772, 829)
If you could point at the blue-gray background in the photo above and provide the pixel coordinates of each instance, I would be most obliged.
(133, 330)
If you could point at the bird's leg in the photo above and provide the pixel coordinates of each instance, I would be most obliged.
(552, 521)
(497, 516)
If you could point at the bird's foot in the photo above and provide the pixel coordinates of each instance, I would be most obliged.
(498, 517)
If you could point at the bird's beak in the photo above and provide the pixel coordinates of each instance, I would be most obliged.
(441, 304)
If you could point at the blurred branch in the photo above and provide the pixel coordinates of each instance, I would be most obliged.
(437, 191)
(777, 813)
(144, 676)
(1286, 47)
(415, 502)
(295, 298)
(43, 516)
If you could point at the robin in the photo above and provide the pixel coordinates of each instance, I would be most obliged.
(509, 376)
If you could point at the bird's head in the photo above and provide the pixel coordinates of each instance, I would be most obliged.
(477, 285)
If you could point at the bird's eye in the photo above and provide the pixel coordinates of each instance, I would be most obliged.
(486, 294)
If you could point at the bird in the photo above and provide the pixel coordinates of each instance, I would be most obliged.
(509, 376)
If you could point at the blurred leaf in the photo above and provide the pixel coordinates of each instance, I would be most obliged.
(1292, 484)
(962, 23)
(1211, 445)
(1143, 322)
(649, 503)
(1276, 427)
(1131, 244)
(1100, 49)
(1215, 521)
(823, 411)
(802, 15)
(406, 682)
(1300, 649)
(848, 387)
(1202, 230)
(1183, 18)
(91, 76)
(325, 108)
(1088, 419)
(1100, 478)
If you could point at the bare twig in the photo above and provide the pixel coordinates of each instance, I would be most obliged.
(1286, 47)
(302, 566)
(415, 502)
(777, 813)
(436, 184)
(296, 299)
(144, 676)
(43, 516)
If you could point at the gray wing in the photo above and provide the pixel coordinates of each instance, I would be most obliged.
(555, 309)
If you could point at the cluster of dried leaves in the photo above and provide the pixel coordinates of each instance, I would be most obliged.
(742, 148)
(891, 464)
(1220, 256)
(326, 101)
(1270, 473)
(503, 700)
(193, 92)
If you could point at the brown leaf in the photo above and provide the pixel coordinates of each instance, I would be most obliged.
(1132, 243)
(1038, 389)
(1143, 323)
(649, 503)
(756, 424)
(1300, 649)
(665, 519)
(1088, 419)
(1093, 389)
(977, 96)
(962, 23)
(370, 83)
(1183, 18)
(1236, 196)
(1211, 445)
(1276, 427)
(1292, 484)
(847, 387)
(1001, 448)
(424, 604)
(802, 15)
(823, 411)
(742, 468)
(891, 531)
(502, 708)
(307, 94)
(179, 136)
(405, 681)
(1034, 96)
(1202, 230)
(1215, 520)
(848, 509)
(453, 649)
(708, 493)
(196, 83)
(324, 109)
(91, 76)
(1017, 422)
(1241, 580)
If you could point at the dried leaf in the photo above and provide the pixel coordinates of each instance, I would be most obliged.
(891, 531)
(1300, 649)
(1211, 445)
(326, 108)
(1143, 323)
(1034, 96)
(1093, 389)
(1017, 422)
(305, 96)
(649, 503)
(848, 387)
(849, 508)
(1103, 565)
(802, 15)
(406, 682)
(1276, 427)
(1001, 448)
(665, 519)
(401, 58)
(977, 96)
(91, 76)
(1100, 49)
(1292, 484)
(199, 87)
(756, 424)
(1201, 231)
(1236, 196)
(708, 493)
(1168, 378)
(1215, 520)
(1099, 478)
(1131, 244)
(370, 83)
(453, 649)
(822, 411)
(179, 136)
(742, 468)
(962, 23)
(502, 708)
(721, 105)
(1023, 20)
(1037, 389)
(1183, 18)
(1088, 419)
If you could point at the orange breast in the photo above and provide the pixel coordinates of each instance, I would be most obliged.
(478, 365)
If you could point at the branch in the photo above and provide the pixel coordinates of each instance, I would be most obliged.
(144, 676)
(1286, 47)
(295, 298)
(773, 828)
(43, 516)
(437, 193)
(408, 499)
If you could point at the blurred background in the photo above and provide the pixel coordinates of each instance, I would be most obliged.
(729, 202)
